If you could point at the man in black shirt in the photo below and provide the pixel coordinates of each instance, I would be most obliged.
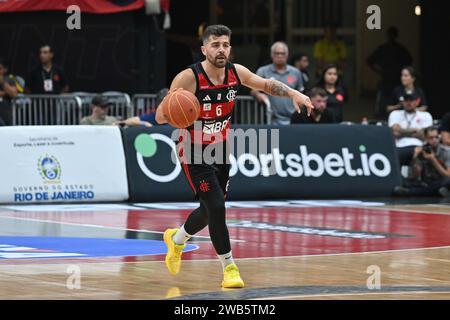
(301, 62)
(8, 91)
(320, 113)
(398, 96)
(445, 129)
(47, 78)
(388, 60)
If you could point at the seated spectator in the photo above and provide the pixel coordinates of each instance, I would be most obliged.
(407, 126)
(8, 91)
(320, 113)
(337, 96)
(445, 129)
(99, 114)
(408, 79)
(431, 168)
(282, 107)
(47, 77)
(146, 119)
(301, 62)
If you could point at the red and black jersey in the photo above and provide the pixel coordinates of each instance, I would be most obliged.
(216, 105)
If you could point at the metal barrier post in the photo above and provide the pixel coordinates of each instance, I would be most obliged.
(142, 103)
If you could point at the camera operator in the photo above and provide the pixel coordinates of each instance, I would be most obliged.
(431, 168)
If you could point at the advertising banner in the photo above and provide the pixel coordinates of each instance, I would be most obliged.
(290, 162)
(62, 164)
(89, 6)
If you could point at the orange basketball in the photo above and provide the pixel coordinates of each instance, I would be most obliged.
(181, 108)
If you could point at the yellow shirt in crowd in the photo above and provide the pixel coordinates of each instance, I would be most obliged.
(330, 51)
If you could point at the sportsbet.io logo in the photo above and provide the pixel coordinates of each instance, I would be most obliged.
(309, 164)
(146, 146)
(347, 161)
(49, 168)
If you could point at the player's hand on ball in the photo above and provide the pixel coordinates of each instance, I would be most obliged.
(301, 99)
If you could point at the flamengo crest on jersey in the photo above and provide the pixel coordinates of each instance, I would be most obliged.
(216, 104)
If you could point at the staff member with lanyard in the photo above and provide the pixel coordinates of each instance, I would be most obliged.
(47, 78)
(407, 126)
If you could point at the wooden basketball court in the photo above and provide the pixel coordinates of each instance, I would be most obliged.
(285, 250)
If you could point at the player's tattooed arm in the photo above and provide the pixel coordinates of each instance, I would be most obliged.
(269, 86)
(276, 88)
(273, 87)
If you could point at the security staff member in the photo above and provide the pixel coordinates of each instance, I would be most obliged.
(47, 78)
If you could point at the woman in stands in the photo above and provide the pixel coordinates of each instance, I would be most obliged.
(337, 95)
(408, 86)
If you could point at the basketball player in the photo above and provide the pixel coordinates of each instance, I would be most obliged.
(215, 82)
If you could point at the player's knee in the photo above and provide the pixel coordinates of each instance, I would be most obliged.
(204, 217)
(217, 208)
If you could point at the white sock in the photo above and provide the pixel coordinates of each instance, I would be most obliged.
(226, 259)
(181, 236)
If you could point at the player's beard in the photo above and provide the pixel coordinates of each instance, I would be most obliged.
(218, 63)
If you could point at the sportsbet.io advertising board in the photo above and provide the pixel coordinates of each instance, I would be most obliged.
(62, 164)
(267, 163)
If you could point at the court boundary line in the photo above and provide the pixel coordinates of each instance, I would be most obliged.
(404, 210)
(345, 253)
(238, 259)
(350, 294)
(102, 227)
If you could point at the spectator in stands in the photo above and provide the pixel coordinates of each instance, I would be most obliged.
(330, 50)
(301, 62)
(388, 60)
(8, 91)
(431, 168)
(282, 107)
(146, 119)
(47, 77)
(2, 123)
(337, 95)
(445, 129)
(320, 113)
(99, 114)
(407, 126)
(408, 79)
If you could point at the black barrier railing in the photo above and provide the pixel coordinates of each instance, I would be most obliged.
(68, 109)
(62, 109)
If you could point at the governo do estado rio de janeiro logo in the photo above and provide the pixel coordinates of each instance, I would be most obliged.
(49, 168)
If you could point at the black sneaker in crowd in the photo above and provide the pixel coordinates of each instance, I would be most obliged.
(444, 192)
(401, 191)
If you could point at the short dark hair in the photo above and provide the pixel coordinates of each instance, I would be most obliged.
(427, 130)
(216, 30)
(316, 91)
(46, 45)
(298, 56)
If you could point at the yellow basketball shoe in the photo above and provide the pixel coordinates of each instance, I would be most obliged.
(231, 277)
(174, 251)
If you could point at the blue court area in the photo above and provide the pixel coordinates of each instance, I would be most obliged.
(58, 247)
